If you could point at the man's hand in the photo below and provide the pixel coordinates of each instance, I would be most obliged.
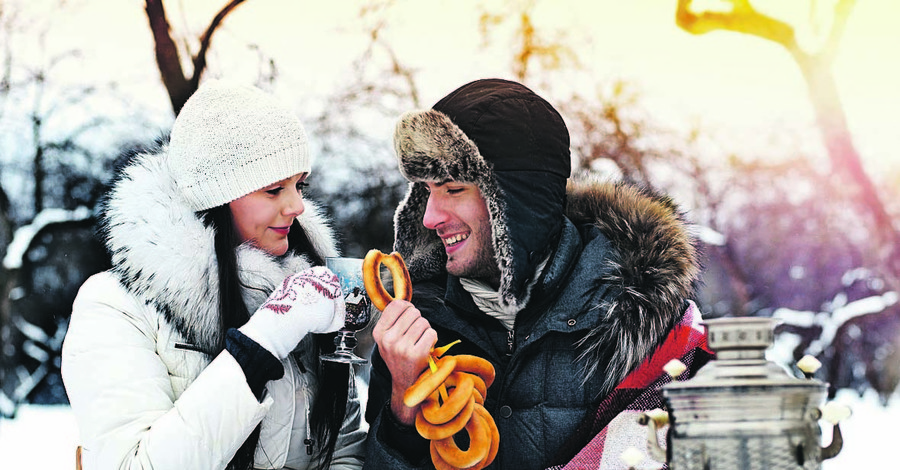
(405, 340)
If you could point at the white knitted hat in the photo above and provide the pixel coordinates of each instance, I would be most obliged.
(230, 140)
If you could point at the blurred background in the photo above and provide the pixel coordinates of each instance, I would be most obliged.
(772, 122)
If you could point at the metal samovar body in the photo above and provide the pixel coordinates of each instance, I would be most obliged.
(740, 411)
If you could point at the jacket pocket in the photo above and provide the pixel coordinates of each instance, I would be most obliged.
(184, 362)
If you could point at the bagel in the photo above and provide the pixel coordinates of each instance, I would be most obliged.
(494, 433)
(476, 365)
(454, 380)
(458, 397)
(428, 382)
(436, 432)
(479, 445)
(450, 398)
(372, 278)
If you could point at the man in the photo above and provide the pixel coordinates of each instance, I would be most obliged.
(577, 296)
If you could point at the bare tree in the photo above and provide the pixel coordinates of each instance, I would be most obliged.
(531, 46)
(816, 70)
(46, 105)
(181, 84)
(6, 61)
(378, 89)
(612, 127)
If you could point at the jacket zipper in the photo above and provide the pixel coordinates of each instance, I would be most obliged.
(309, 441)
(510, 342)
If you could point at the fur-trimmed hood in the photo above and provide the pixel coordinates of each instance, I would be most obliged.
(164, 255)
(510, 143)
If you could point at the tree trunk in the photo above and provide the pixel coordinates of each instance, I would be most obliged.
(167, 58)
(38, 166)
(844, 158)
(816, 70)
(178, 84)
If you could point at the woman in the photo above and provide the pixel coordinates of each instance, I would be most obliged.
(163, 363)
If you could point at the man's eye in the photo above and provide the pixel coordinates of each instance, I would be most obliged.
(455, 190)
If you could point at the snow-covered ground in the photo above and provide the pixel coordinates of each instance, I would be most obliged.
(45, 437)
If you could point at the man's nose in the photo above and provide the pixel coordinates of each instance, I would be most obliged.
(434, 213)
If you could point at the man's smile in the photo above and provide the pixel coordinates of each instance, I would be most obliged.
(454, 239)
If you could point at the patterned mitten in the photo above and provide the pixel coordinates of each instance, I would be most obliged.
(306, 302)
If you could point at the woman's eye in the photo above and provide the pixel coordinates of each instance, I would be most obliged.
(302, 185)
(274, 191)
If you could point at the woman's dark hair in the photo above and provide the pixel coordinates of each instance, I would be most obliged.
(327, 413)
(330, 405)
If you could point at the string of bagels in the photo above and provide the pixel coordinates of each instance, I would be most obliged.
(450, 393)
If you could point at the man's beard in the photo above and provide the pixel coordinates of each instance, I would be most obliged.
(483, 267)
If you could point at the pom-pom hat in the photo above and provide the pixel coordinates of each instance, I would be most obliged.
(230, 140)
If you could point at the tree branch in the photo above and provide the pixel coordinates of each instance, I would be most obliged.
(206, 40)
(742, 18)
(842, 10)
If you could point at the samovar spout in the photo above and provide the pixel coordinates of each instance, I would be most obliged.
(837, 443)
(834, 413)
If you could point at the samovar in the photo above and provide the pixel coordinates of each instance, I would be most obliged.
(742, 412)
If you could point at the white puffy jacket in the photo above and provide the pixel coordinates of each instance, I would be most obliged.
(142, 393)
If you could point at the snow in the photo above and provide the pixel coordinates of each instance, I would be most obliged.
(45, 437)
(40, 437)
(25, 234)
(830, 322)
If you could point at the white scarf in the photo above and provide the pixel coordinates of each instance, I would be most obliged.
(488, 300)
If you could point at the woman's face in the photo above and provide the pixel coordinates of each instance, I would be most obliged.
(264, 217)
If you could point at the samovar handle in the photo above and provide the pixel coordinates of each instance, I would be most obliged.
(654, 419)
(834, 413)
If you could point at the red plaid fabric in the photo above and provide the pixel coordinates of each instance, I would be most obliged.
(599, 442)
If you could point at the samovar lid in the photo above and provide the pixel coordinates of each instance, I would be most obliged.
(740, 345)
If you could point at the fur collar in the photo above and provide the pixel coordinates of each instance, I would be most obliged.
(163, 254)
(653, 268)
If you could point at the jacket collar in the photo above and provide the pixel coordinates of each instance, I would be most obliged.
(649, 270)
(163, 254)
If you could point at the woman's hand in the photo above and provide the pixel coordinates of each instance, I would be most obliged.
(306, 302)
(404, 341)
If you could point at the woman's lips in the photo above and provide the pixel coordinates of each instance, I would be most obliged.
(281, 230)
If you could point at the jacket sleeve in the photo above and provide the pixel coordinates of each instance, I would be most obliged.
(123, 400)
(390, 444)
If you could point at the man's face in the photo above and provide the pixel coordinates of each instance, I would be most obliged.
(458, 214)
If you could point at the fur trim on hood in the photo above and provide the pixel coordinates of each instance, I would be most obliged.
(165, 256)
(653, 267)
(513, 146)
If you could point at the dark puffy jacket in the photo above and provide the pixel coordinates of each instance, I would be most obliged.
(612, 291)
(620, 269)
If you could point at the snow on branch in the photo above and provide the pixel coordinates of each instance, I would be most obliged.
(831, 322)
(24, 235)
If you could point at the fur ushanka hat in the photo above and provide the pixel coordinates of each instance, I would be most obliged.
(514, 146)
